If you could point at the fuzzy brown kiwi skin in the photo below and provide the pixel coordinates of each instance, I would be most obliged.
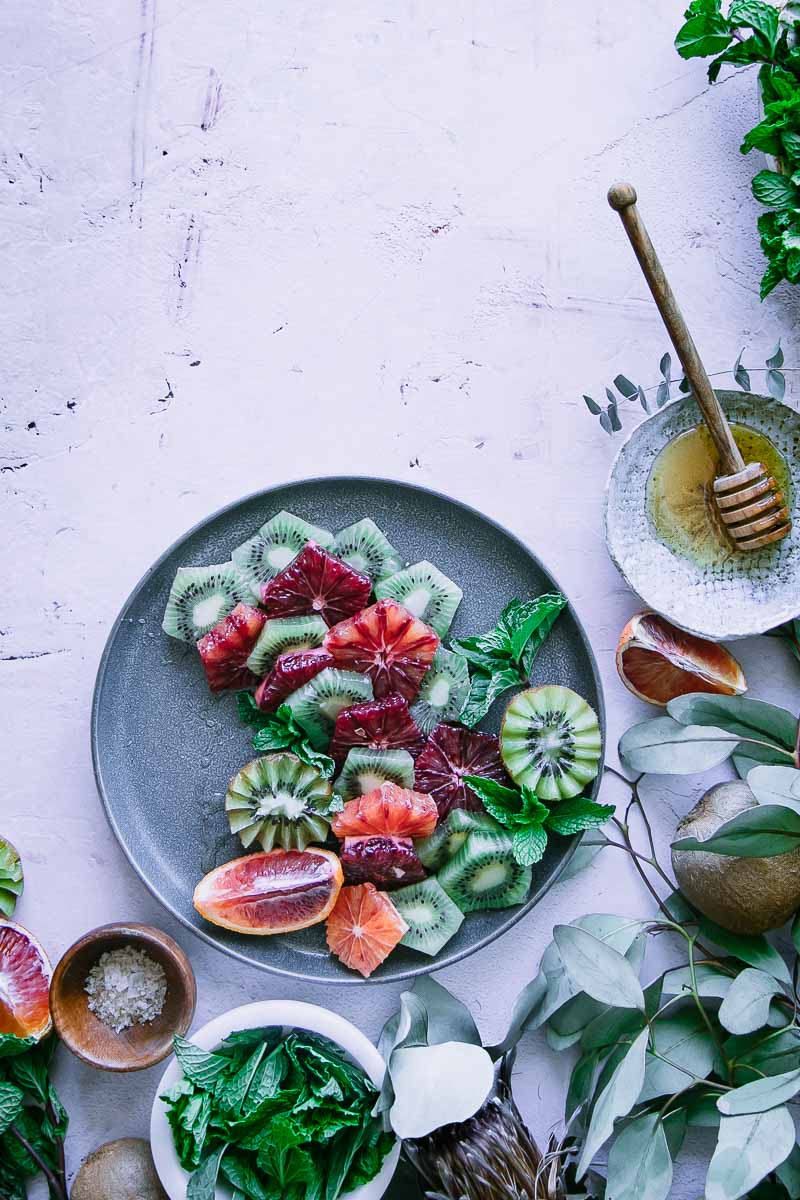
(745, 895)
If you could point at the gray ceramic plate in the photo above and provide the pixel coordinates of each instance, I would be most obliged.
(164, 748)
(748, 593)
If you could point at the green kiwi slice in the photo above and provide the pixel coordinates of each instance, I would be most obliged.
(431, 916)
(274, 546)
(367, 549)
(366, 770)
(550, 741)
(318, 703)
(200, 597)
(484, 873)
(279, 801)
(424, 591)
(450, 835)
(282, 634)
(444, 691)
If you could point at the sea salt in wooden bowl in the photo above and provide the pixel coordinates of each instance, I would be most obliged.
(138, 1046)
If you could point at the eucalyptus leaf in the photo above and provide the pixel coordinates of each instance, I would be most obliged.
(593, 406)
(741, 717)
(762, 832)
(748, 1148)
(438, 1085)
(760, 1095)
(615, 1100)
(639, 1161)
(740, 374)
(11, 878)
(789, 1174)
(448, 1019)
(753, 949)
(665, 367)
(709, 979)
(746, 1006)
(775, 785)
(685, 1043)
(664, 746)
(625, 387)
(796, 933)
(597, 968)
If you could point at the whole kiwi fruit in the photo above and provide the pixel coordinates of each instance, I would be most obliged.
(744, 895)
(120, 1170)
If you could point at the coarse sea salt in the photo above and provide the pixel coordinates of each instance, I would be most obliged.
(126, 986)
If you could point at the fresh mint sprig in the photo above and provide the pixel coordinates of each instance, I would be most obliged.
(279, 731)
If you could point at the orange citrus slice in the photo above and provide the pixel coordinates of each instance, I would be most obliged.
(364, 928)
(24, 983)
(657, 662)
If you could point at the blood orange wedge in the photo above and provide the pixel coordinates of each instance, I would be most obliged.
(316, 582)
(657, 662)
(364, 928)
(226, 648)
(390, 810)
(24, 983)
(450, 754)
(290, 672)
(388, 862)
(389, 644)
(271, 893)
(380, 724)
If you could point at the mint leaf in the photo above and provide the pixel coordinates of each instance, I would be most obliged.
(11, 1098)
(571, 816)
(776, 191)
(11, 880)
(534, 622)
(484, 690)
(202, 1067)
(703, 34)
(203, 1183)
(280, 731)
(10, 1044)
(529, 845)
(761, 18)
(500, 802)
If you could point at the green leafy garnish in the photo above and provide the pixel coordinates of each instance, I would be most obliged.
(279, 1118)
(280, 731)
(503, 657)
(33, 1121)
(529, 821)
(11, 880)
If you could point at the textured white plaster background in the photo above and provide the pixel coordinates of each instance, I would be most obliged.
(249, 242)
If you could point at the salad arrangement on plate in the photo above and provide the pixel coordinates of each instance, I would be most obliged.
(373, 804)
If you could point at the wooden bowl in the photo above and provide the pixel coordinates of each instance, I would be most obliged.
(139, 1046)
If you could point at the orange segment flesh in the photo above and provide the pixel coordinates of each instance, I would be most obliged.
(657, 662)
(274, 892)
(24, 983)
(389, 809)
(364, 928)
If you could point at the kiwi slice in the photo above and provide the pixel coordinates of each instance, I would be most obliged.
(485, 874)
(431, 916)
(318, 703)
(424, 591)
(365, 770)
(550, 741)
(282, 634)
(274, 546)
(367, 549)
(279, 801)
(200, 597)
(450, 835)
(444, 691)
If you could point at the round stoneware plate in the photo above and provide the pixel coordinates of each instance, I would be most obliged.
(290, 1014)
(748, 593)
(165, 748)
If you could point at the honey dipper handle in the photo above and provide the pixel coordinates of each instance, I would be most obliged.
(622, 198)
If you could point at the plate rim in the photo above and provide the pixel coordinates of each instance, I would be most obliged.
(427, 967)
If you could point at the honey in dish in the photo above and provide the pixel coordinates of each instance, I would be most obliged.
(680, 498)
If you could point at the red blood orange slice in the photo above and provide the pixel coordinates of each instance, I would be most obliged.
(657, 662)
(388, 862)
(271, 893)
(226, 648)
(290, 672)
(364, 928)
(380, 724)
(450, 754)
(389, 809)
(24, 983)
(389, 644)
(316, 582)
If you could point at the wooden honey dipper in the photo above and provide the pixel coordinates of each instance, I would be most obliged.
(749, 503)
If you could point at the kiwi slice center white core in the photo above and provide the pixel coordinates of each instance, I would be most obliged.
(284, 804)
(552, 738)
(332, 706)
(208, 611)
(280, 556)
(493, 875)
(439, 692)
(417, 601)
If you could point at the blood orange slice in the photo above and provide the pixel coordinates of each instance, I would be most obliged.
(389, 644)
(450, 754)
(316, 582)
(24, 983)
(226, 648)
(657, 662)
(390, 810)
(364, 928)
(388, 862)
(380, 724)
(271, 893)
(290, 672)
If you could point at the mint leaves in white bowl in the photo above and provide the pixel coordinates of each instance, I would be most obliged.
(273, 1099)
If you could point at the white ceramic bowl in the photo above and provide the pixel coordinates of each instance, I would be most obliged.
(288, 1013)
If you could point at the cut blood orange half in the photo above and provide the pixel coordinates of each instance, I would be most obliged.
(24, 983)
(389, 644)
(364, 928)
(657, 662)
(390, 810)
(269, 893)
